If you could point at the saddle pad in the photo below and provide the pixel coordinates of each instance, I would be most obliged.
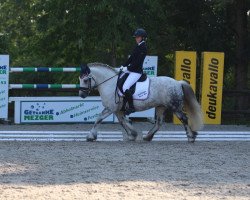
(141, 90)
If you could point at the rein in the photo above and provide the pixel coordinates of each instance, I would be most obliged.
(89, 88)
(95, 86)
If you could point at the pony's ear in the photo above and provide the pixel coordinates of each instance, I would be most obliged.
(85, 69)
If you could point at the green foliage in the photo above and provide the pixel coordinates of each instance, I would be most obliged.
(72, 32)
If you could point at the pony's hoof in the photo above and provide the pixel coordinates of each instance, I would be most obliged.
(92, 136)
(134, 134)
(148, 139)
(192, 137)
(191, 140)
(91, 139)
(131, 138)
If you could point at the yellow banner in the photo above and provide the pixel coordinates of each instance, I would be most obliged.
(185, 69)
(212, 82)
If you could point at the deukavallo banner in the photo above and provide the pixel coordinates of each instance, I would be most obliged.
(185, 69)
(212, 83)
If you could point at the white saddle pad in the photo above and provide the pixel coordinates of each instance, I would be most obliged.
(141, 90)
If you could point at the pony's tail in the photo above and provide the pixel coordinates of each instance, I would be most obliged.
(192, 107)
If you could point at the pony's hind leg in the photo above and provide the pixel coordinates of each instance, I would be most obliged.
(129, 129)
(92, 136)
(159, 119)
(191, 135)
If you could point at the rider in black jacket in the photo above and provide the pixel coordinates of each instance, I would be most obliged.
(134, 68)
(135, 61)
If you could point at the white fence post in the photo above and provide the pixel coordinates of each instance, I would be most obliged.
(4, 86)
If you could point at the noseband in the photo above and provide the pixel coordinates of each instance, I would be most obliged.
(89, 88)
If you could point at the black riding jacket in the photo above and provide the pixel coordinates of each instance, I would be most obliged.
(136, 59)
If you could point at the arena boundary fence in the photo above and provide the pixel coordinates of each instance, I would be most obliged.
(117, 136)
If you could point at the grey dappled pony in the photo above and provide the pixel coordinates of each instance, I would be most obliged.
(165, 93)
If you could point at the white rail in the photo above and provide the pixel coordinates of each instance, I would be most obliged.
(117, 136)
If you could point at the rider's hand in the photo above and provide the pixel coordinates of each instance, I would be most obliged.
(121, 68)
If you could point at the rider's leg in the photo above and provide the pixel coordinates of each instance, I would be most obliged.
(124, 103)
(129, 97)
(131, 80)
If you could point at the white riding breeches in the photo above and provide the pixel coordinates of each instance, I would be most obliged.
(131, 80)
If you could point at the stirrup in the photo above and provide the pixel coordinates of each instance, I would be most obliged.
(123, 109)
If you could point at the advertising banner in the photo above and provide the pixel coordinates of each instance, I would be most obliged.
(60, 111)
(150, 65)
(185, 69)
(212, 82)
(4, 85)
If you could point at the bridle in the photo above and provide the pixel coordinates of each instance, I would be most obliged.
(89, 88)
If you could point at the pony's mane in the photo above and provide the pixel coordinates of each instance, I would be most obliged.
(96, 64)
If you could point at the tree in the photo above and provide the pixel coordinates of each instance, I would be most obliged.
(242, 49)
(69, 33)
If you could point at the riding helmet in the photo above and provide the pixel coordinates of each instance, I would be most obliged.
(140, 32)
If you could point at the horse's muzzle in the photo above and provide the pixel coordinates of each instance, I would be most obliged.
(83, 94)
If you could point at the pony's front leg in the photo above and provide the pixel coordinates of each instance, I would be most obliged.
(92, 136)
(129, 129)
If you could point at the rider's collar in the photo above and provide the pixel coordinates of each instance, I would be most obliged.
(141, 42)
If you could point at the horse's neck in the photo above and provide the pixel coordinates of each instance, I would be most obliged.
(106, 83)
(102, 74)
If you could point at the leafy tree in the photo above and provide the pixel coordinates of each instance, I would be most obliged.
(69, 33)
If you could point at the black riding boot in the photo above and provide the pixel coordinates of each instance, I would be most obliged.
(129, 97)
(124, 104)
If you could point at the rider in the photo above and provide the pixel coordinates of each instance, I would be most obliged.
(134, 68)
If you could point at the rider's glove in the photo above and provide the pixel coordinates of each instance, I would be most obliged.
(121, 68)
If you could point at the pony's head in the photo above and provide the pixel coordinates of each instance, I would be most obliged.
(93, 73)
(85, 81)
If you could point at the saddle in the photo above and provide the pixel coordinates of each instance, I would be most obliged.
(140, 89)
